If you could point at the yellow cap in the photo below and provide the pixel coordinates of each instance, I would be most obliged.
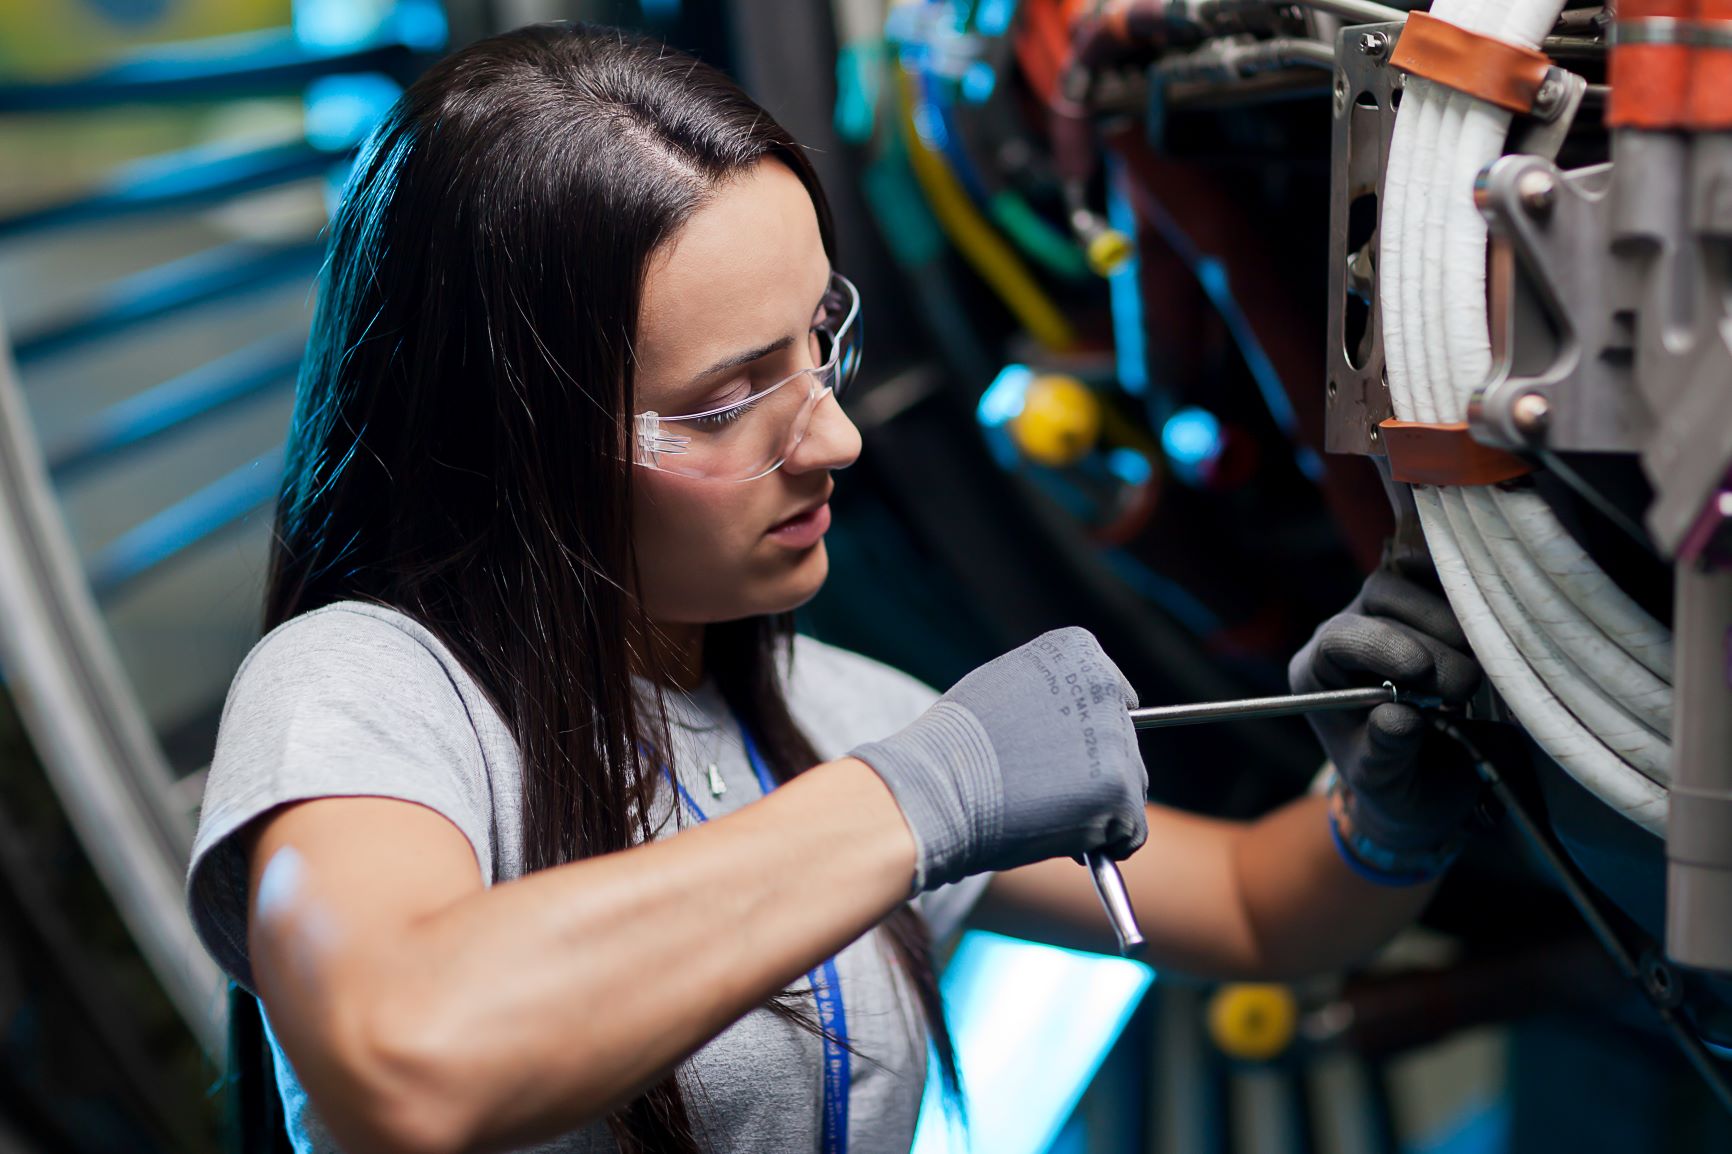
(1107, 251)
(1251, 1021)
(1060, 420)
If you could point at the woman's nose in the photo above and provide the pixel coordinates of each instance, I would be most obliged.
(831, 440)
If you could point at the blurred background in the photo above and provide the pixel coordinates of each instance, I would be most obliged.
(1093, 394)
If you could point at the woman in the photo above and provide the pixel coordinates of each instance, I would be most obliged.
(517, 641)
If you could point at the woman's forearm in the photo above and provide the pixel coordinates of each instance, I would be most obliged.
(1306, 911)
(534, 1007)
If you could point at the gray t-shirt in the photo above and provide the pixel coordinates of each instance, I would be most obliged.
(354, 699)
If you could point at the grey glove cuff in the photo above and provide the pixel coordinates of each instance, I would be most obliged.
(1030, 756)
(951, 815)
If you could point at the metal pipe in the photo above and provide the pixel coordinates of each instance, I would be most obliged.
(1699, 835)
(1295, 50)
(1235, 61)
(1355, 11)
(1201, 12)
(1162, 716)
(85, 723)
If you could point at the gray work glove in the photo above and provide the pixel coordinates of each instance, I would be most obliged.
(1411, 787)
(1031, 756)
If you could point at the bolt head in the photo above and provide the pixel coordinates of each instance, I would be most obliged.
(1530, 413)
(1550, 94)
(1373, 44)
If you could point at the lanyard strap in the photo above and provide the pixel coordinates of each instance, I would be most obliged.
(826, 989)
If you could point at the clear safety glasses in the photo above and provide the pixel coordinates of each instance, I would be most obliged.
(748, 438)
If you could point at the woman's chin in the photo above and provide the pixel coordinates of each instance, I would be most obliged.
(803, 581)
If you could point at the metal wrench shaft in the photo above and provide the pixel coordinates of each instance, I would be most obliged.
(1109, 882)
(1284, 706)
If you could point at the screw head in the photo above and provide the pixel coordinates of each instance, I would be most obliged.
(1663, 983)
(1537, 190)
(1374, 44)
(1530, 413)
(1549, 94)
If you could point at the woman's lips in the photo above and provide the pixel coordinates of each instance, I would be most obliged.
(803, 531)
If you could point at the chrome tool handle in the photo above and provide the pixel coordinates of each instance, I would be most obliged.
(1110, 884)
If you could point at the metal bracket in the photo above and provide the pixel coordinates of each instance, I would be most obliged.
(1560, 336)
(1609, 329)
(1367, 95)
(1684, 350)
(1555, 107)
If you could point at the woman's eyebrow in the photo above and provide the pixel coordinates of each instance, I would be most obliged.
(751, 355)
(744, 358)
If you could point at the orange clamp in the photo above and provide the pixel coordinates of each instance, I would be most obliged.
(1712, 73)
(1649, 67)
(1428, 454)
(1494, 70)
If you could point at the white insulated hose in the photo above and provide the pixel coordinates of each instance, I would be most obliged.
(1583, 668)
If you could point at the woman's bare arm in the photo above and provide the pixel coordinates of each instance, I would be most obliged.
(1263, 899)
(424, 1012)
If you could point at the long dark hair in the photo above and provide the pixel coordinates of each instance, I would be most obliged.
(460, 447)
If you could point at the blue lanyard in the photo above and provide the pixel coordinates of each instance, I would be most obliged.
(826, 988)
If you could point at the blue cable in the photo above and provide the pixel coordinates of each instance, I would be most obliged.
(1212, 275)
(935, 123)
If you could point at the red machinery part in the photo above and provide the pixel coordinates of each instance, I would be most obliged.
(1710, 107)
(1651, 82)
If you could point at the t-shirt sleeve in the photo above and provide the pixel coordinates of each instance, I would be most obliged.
(335, 703)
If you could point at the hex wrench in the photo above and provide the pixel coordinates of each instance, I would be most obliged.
(1110, 883)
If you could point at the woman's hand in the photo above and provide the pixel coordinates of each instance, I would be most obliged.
(1031, 756)
(1410, 788)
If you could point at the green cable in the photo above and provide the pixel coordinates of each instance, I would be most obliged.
(1040, 241)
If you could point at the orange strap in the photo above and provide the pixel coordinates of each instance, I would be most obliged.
(1671, 66)
(1650, 86)
(1711, 71)
(1424, 454)
(1649, 77)
(1494, 70)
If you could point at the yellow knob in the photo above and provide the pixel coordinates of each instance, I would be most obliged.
(1107, 251)
(1060, 420)
(1252, 1022)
